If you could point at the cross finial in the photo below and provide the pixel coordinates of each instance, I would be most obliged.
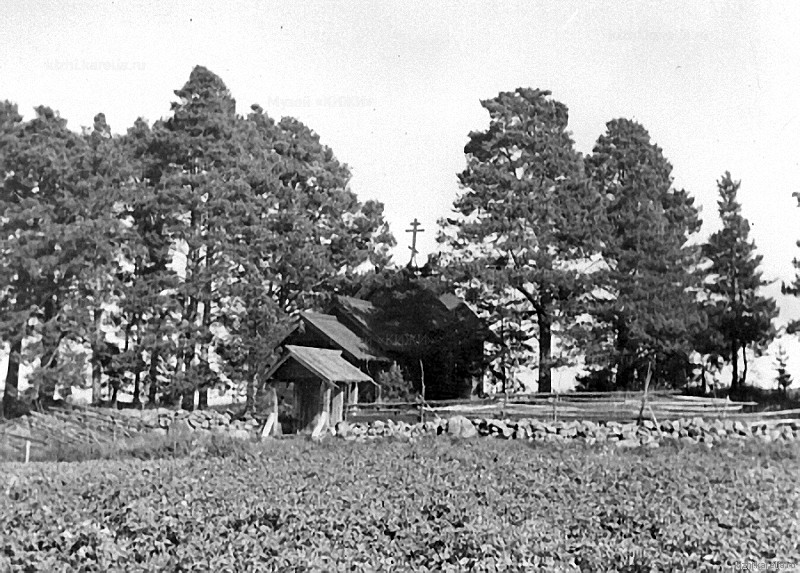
(414, 230)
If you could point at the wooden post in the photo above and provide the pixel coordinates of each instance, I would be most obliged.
(337, 405)
(326, 402)
(319, 428)
(644, 395)
(422, 397)
(27, 451)
(555, 408)
(271, 425)
(267, 430)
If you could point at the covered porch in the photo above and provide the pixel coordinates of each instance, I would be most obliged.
(322, 382)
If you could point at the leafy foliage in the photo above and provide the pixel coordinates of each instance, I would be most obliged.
(397, 506)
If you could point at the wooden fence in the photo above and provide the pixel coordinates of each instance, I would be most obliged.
(594, 406)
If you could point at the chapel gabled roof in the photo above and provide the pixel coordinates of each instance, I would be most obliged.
(341, 336)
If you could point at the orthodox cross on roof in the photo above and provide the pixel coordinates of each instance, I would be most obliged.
(414, 230)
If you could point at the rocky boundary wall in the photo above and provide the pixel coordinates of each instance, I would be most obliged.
(164, 420)
(649, 433)
(630, 434)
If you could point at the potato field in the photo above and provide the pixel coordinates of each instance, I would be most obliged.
(387, 505)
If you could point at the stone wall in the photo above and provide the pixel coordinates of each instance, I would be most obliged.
(649, 433)
(630, 434)
(164, 420)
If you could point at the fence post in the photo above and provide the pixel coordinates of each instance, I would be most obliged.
(644, 395)
(555, 408)
(422, 397)
(27, 451)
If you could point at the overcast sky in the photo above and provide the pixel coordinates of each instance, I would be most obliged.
(394, 88)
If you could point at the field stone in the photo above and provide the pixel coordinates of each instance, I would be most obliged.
(502, 429)
(648, 424)
(523, 432)
(568, 431)
(149, 417)
(342, 429)
(240, 434)
(180, 428)
(429, 427)
(461, 427)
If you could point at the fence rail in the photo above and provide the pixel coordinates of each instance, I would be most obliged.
(596, 406)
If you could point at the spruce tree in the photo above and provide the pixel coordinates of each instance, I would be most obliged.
(735, 307)
(646, 304)
(793, 288)
(783, 378)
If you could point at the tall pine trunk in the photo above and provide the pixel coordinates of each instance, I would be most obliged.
(11, 392)
(50, 342)
(187, 397)
(735, 364)
(137, 389)
(97, 368)
(187, 400)
(744, 361)
(250, 391)
(152, 391)
(205, 320)
(137, 376)
(187, 350)
(545, 352)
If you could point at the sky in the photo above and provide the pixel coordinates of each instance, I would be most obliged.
(394, 88)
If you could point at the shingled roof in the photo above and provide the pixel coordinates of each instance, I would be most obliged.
(327, 365)
(341, 336)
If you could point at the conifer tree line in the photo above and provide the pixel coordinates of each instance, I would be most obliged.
(174, 253)
(168, 260)
(597, 256)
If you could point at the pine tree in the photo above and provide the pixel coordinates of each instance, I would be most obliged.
(148, 304)
(14, 290)
(195, 239)
(528, 216)
(646, 302)
(736, 309)
(45, 245)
